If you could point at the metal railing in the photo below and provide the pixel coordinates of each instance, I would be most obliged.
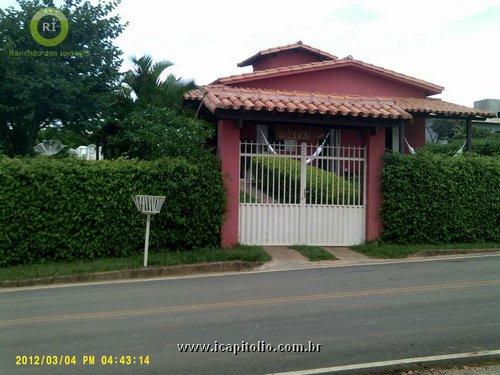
(301, 174)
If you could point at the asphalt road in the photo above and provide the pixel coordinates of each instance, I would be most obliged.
(358, 314)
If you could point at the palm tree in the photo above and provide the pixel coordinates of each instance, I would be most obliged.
(145, 80)
(173, 89)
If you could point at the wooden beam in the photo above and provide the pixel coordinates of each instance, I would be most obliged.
(402, 127)
(468, 134)
(302, 118)
(450, 117)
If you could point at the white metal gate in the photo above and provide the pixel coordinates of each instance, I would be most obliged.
(302, 194)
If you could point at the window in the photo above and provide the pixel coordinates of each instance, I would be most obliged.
(392, 139)
(388, 138)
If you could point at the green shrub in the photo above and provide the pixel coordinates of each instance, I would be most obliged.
(438, 199)
(68, 209)
(321, 187)
(489, 146)
(154, 132)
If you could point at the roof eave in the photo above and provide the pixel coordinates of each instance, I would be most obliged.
(464, 116)
(249, 61)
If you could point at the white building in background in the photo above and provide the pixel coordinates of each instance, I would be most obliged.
(491, 124)
(492, 105)
(88, 152)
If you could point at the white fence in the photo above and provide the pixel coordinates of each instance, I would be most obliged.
(301, 194)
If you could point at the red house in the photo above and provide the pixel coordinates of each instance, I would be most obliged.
(301, 139)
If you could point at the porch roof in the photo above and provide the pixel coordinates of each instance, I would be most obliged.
(222, 97)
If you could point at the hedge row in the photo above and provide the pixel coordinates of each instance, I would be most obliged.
(68, 209)
(482, 146)
(282, 175)
(440, 199)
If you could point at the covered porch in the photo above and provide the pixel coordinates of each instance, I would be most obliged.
(344, 136)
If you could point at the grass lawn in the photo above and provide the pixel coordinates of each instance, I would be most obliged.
(385, 250)
(60, 268)
(314, 253)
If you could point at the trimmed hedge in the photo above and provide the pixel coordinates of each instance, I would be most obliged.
(68, 209)
(319, 187)
(439, 199)
(482, 146)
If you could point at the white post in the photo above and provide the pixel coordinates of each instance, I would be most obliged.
(303, 187)
(146, 241)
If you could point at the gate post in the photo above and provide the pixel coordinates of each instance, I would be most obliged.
(375, 144)
(228, 147)
(303, 187)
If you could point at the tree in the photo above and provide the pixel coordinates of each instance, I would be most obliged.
(156, 125)
(37, 91)
(440, 129)
(156, 132)
(145, 80)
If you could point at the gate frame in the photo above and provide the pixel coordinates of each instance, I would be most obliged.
(228, 146)
(271, 215)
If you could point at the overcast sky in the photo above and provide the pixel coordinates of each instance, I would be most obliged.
(455, 44)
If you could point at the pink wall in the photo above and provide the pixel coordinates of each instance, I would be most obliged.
(375, 147)
(415, 133)
(344, 80)
(350, 138)
(248, 132)
(228, 146)
(285, 58)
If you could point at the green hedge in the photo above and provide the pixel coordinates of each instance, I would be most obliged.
(319, 187)
(68, 209)
(483, 146)
(440, 199)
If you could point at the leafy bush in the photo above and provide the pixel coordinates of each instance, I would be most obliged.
(68, 209)
(489, 146)
(438, 199)
(154, 133)
(321, 187)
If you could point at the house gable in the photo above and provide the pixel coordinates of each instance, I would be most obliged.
(349, 80)
(286, 58)
(288, 55)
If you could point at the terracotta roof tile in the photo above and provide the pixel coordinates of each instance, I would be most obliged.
(226, 97)
(298, 45)
(259, 74)
(439, 107)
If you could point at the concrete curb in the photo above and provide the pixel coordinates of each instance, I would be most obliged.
(184, 269)
(431, 253)
(397, 367)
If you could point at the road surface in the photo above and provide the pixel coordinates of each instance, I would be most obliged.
(358, 314)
